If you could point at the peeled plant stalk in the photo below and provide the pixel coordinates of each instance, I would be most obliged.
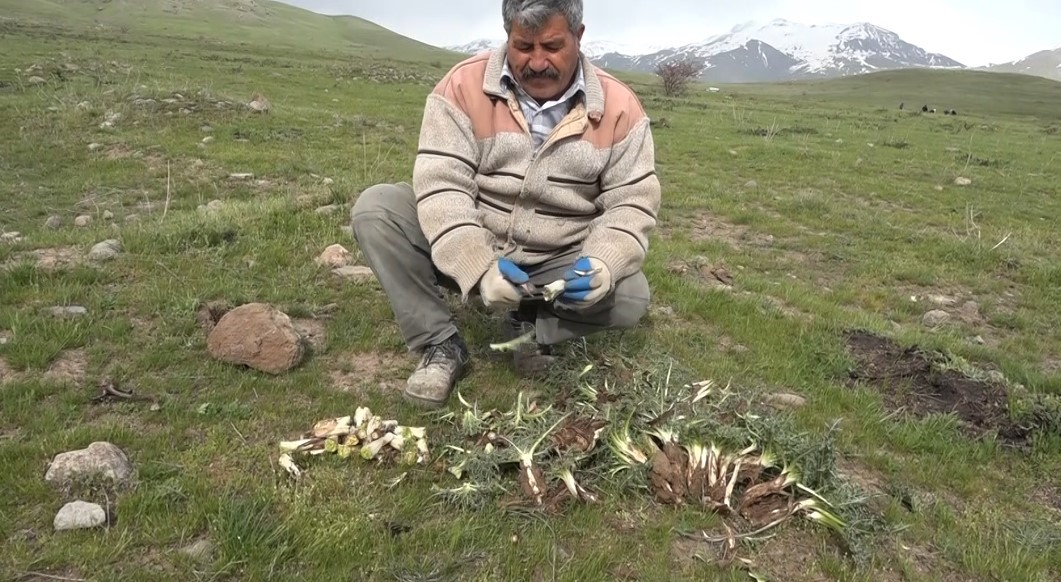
(364, 434)
(513, 344)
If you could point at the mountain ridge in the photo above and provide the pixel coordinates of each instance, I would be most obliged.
(782, 50)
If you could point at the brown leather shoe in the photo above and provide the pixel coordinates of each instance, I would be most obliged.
(440, 367)
(531, 360)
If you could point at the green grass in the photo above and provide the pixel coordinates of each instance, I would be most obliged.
(854, 211)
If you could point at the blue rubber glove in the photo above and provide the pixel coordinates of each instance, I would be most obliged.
(511, 272)
(498, 285)
(587, 282)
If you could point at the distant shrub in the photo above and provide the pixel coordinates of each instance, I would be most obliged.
(676, 75)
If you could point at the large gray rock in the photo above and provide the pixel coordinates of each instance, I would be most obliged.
(101, 459)
(79, 515)
(259, 336)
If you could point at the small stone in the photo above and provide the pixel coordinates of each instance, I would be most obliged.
(751, 184)
(108, 215)
(962, 181)
(732, 152)
(68, 311)
(79, 515)
(970, 312)
(357, 274)
(208, 139)
(83, 220)
(785, 400)
(35, 80)
(935, 318)
(329, 209)
(335, 256)
(938, 188)
(54, 222)
(94, 146)
(206, 129)
(199, 551)
(215, 205)
(100, 458)
(105, 250)
(240, 176)
(979, 340)
(83, 105)
(11, 237)
(942, 300)
(327, 182)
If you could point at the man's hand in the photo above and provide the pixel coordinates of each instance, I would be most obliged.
(498, 285)
(588, 281)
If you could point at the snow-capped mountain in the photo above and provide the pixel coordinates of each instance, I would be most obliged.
(1042, 64)
(592, 48)
(776, 51)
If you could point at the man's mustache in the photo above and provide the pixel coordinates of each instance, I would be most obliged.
(548, 73)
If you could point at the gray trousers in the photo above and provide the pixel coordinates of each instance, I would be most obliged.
(388, 233)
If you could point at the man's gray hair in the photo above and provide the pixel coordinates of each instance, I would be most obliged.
(533, 14)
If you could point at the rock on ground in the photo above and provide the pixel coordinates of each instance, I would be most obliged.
(357, 274)
(258, 336)
(935, 318)
(79, 515)
(105, 250)
(335, 256)
(99, 458)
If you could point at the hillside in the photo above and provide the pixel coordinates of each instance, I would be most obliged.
(976, 92)
(257, 22)
(1042, 64)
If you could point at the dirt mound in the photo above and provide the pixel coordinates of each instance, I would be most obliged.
(911, 381)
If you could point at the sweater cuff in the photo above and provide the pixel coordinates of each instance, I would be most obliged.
(466, 265)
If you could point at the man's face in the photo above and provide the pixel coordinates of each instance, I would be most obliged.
(544, 61)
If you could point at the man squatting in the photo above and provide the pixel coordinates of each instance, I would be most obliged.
(532, 165)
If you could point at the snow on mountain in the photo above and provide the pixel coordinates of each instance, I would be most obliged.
(591, 48)
(476, 46)
(773, 51)
(1042, 64)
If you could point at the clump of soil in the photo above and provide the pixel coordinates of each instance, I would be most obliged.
(909, 380)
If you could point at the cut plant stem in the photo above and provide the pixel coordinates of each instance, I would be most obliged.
(509, 346)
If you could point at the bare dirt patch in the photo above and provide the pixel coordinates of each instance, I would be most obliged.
(50, 259)
(6, 373)
(708, 227)
(70, 367)
(790, 554)
(911, 382)
(355, 371)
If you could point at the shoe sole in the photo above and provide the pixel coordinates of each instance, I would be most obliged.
(424, 402)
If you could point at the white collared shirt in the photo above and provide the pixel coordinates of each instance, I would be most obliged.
(543, 118)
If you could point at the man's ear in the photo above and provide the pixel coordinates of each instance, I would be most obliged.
(581, 29)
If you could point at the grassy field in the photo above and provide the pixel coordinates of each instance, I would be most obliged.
(793, 216)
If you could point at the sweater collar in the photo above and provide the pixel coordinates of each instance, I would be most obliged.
(492, 84)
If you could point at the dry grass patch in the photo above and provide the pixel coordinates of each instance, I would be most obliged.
(355, 371)
(708, 227)
(69, 367)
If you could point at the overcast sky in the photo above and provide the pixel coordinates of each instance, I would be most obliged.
(974, 32)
